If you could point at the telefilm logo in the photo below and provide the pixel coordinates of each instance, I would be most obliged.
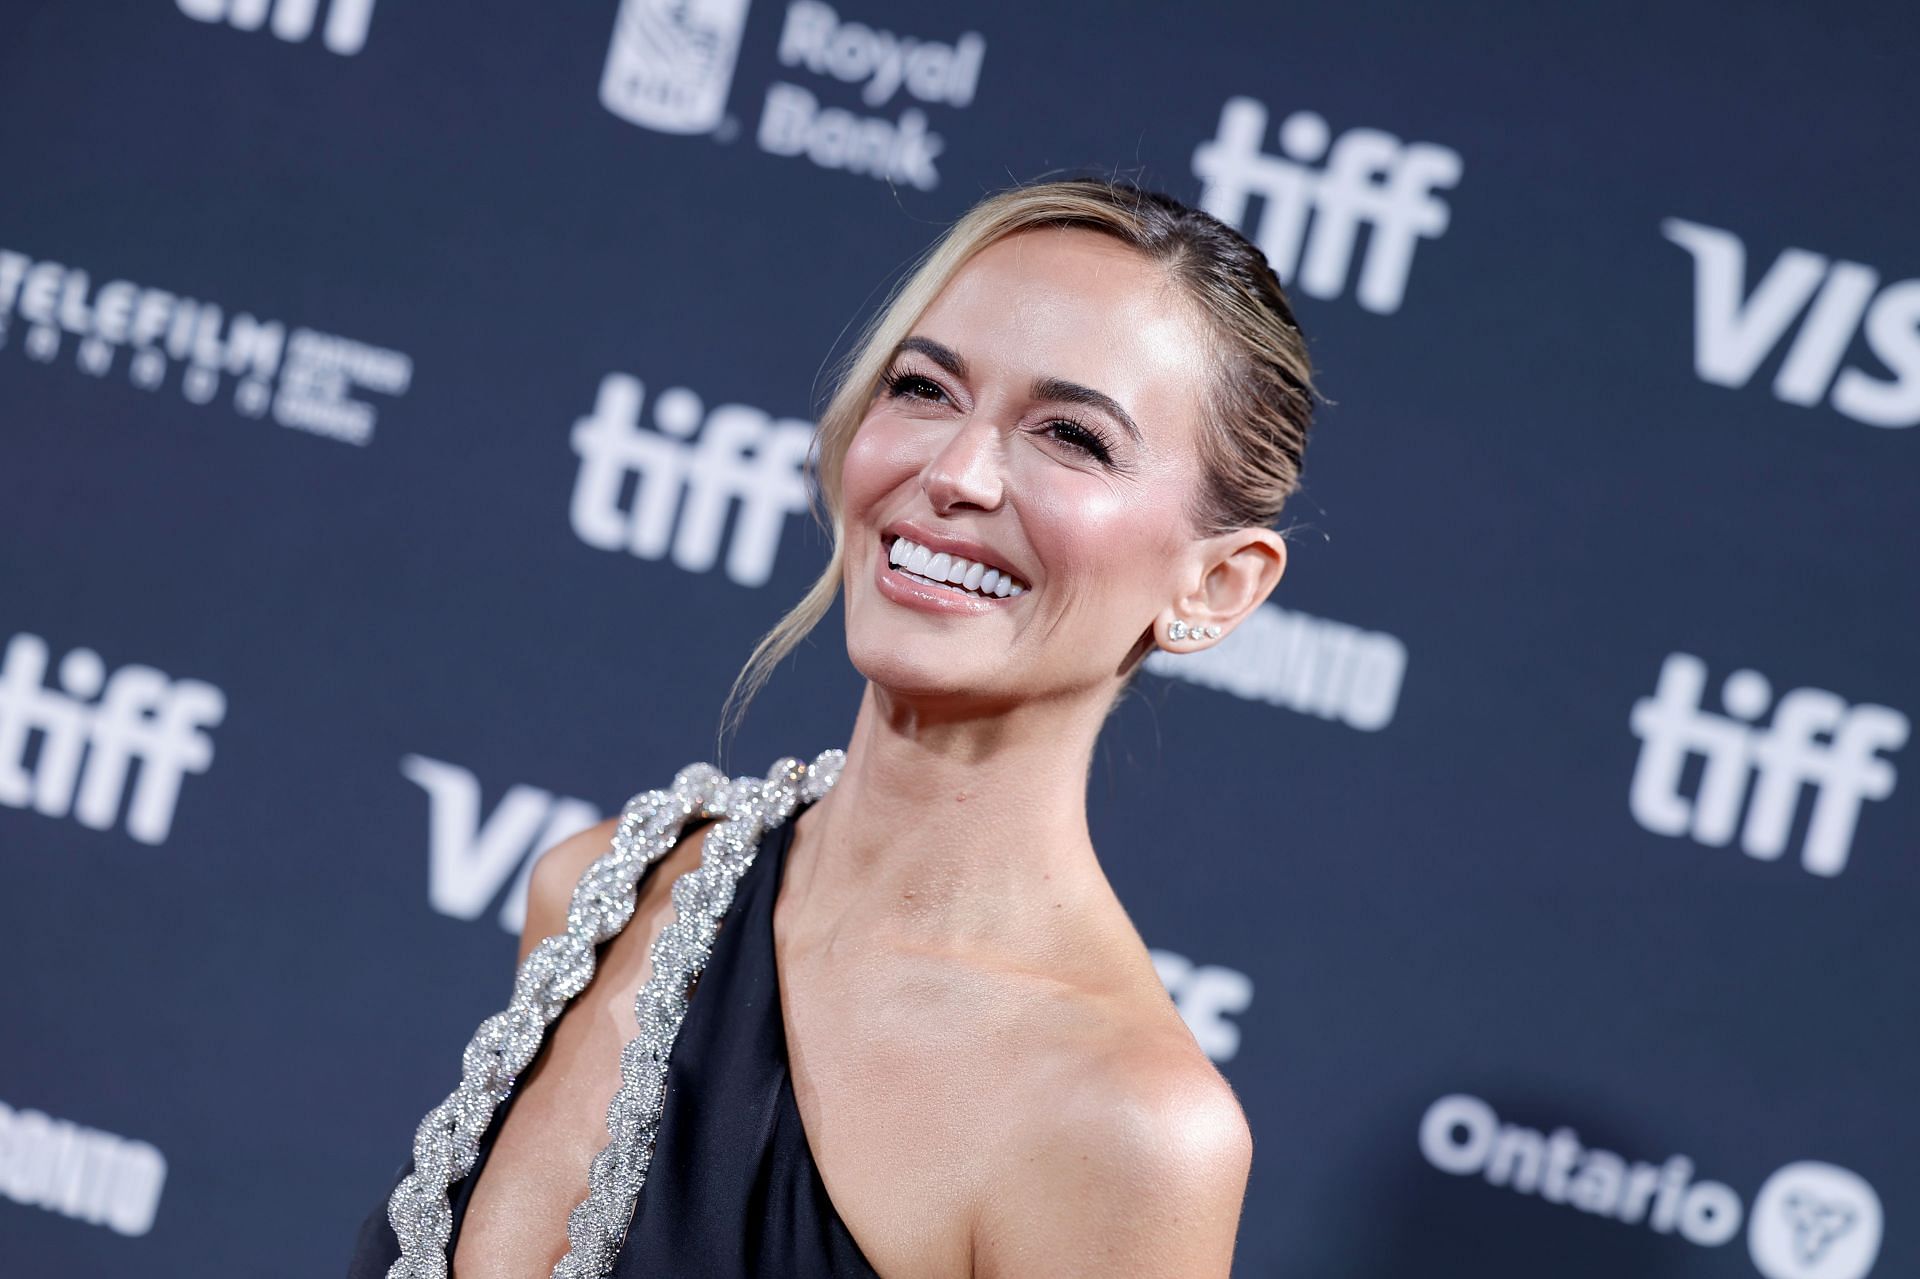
(290, 20)
(1305, 664)
(305, 378)
(83, 1173)
(671, 63)
(1320, 192)
(1811, 1220)
(88, 747)
(1814, 739)
(685, 486)
(1734, 335)
(470, 860)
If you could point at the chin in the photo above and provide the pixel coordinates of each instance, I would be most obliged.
(924, 675)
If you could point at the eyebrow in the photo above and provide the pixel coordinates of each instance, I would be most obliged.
(1044, 388)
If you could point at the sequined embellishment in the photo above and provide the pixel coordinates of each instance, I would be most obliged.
(446, 1145)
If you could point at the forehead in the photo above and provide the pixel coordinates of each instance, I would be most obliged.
(1076, 304)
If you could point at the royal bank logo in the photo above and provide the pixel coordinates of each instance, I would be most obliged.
(344, 32)
(473, 858)
(1810, 1220)
(305, 379)
(1833, 300)
(92, 735)
(671, 63)
(1814, 739)
(1208, 997)
(1321, 192)
(1307, 664)
(688, 470)
(80, 1172)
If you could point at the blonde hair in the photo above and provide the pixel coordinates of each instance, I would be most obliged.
(1260, 403)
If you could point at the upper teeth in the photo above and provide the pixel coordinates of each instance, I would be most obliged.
(940, 566)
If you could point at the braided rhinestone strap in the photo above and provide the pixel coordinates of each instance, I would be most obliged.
(446, 1145)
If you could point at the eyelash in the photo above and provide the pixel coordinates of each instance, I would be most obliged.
(1095, 444)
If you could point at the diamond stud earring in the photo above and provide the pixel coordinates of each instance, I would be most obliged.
(1179, 630)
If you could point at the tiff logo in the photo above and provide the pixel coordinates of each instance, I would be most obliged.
(742, 457)
(1732, 335)
(87, 748)
(468, 860)
(1814, 739)
(1207, 995)
(292, 20)
(1370, 179)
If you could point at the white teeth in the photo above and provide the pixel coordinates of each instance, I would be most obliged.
(946, 568)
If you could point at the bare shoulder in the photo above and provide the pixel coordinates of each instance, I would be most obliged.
(1129, 1160)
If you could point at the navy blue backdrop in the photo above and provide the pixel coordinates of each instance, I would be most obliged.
(402, 407)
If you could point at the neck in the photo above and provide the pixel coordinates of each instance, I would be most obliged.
(950, 829)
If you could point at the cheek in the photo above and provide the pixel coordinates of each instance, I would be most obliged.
(1109, 543)
(877, 461)
(1115, 542)
(862, 474)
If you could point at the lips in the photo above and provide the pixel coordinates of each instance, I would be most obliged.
(916, 591)
(941, 568)
(954, 544)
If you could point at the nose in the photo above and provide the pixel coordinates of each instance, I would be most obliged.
(966, 470)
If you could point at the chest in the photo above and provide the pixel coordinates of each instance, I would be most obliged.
(536, 1172)
(903, 1098)
(891, 1121)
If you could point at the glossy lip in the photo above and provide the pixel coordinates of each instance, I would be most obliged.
(908, 593)
(936, 542)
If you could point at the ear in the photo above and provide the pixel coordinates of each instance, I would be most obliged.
(1238, 571)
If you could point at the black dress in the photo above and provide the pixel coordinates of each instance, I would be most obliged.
(732, 1189)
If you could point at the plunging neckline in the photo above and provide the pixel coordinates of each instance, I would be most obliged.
(788, 1099)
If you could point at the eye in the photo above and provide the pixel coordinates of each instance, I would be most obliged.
(901, 384)
(1085, 438)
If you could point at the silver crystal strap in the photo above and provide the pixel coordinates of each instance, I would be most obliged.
(446, 1145)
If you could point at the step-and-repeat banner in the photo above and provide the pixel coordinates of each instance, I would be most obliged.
(401, 412)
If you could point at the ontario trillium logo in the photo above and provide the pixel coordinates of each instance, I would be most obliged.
(1811, 1220)
(1815, 1221)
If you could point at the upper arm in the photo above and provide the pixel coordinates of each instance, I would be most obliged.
(550, 887)
(1139, 1178)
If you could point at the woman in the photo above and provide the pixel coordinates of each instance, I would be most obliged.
(925, 1039)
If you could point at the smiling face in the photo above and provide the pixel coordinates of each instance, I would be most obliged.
(1042, 420)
